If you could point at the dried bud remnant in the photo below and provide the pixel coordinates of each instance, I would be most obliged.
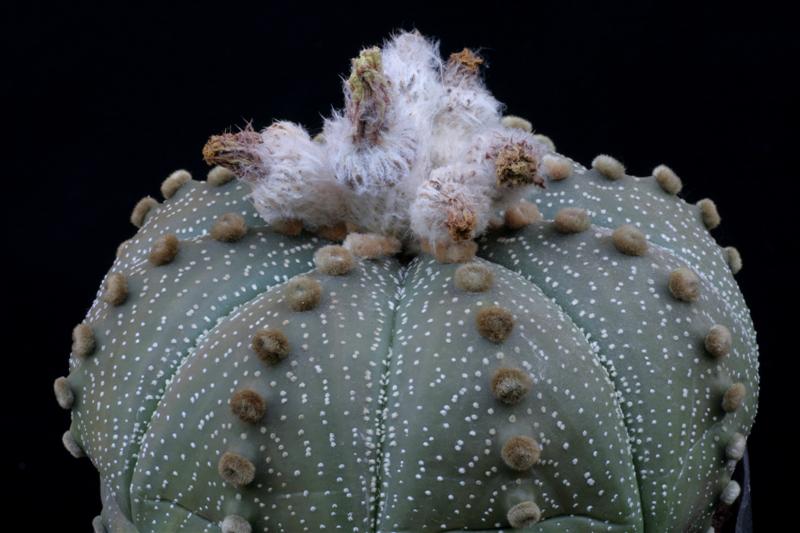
(368, 98)
(516, 165)
(238, 152)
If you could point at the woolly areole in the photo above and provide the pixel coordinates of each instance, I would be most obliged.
(257, 360)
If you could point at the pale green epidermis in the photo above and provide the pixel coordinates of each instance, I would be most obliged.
(670, 391)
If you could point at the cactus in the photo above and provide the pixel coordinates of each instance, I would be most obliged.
(556, 347)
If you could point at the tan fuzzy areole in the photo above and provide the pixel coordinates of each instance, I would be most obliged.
(334, 260)
(571, 220)
(734, 259)
(521, 452)
(165, 250)
(730, 493)
(63, 391)
(452, 252)
(667, 179)
(337, 232)
(235, 524)
(248, 406)
(718, 341)
(734, 450)
(494, 323)
(236, 469)
(608, 167)
(219, 176)
(473, 277)
(684, 285)
(516, 166)
(523, 515)
(709, 213)
(116, 291)
(733, 397)
(141, 209)
(372, 245)
(270, 345)
(303, 293)
(83, 341)
(510, 385)
(513, 121)
(522, 214)
(557, 168)
(71, 445)
(229, 227)
(173, 182)
(289, 227)
(629, 240)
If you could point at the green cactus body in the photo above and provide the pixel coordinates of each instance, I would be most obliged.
(383, 412)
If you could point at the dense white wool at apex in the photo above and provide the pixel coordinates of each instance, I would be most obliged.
(418, 153)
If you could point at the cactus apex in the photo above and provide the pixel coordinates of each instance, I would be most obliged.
(494, 323)
(229, 227)
(173, 182)
(334, 260)
(303, 293)
(165, 250)
(718, 341)
(608, 167)
(248, 406)
(63, 391)
(141, 209)
(116, 291)
(684, 285)
(629, 240)
(667, 179)
(572, 220)
(270, 345)
(236, 469)
(473, 277)
(556, 167)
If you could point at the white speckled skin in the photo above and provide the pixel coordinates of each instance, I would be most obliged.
(381, 418)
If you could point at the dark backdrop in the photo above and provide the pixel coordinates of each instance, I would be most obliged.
(104, 102)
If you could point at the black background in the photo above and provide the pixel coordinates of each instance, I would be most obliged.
(102, 102)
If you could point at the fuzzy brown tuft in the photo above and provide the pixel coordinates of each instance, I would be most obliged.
(248, 406)
(174, 181)
(684, 285)
(494, 323)
(236, 470)
(270, 345)
(219, 176)
(291, 227)
(337, 232)
(709, 213)
(572, 220)
(238, 152)
(510, 385)
(733, 397)
(303, 293)
(63, 392)
(667, 179)
(608, 167)
(734, 259)
(718, 341)
(229, 227)
(520, 453)
(334, 260)
(236, 524)
(524, 515)
(372, 245)
(558, 168)
(164, 250)
(461, 221)
(516, 165)
(521, 215)
(116, 291)
(515, 122)
(629, 240)
(71, 445)
(467, 60)
(474, 277)
(141, 209)
(83, 341)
